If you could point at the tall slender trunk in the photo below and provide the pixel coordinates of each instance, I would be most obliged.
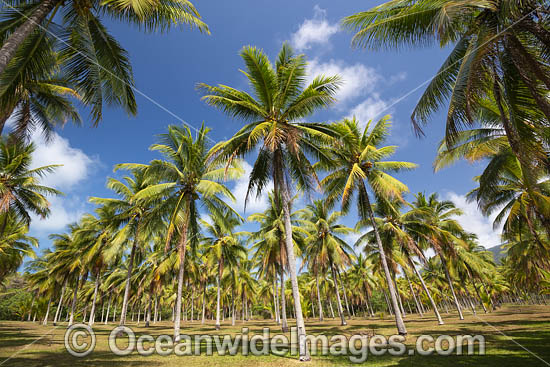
(156, 317)
(390, 308)
(284, 322)
(478, 296)
(339, 302)
(369, 304)
(45, 322)
(60, 304)
(469, 299)
(286, 203)
(203, 302)
(128, 276)
(233, 308)
(399, 297)
(413, 293)
(277, 303)
(344, 292)
(96, 290)
(32, 305)
(401, 329)
(16, 39)
(450, 281)
(218, 297)
(149, 304)
(108, 309)
(73, 306)
(330, 307)
(276, 299)
(182, 247)
(192, 303)
(427, 291)
(318, 297)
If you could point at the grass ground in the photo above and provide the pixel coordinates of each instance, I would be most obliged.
(514, 336)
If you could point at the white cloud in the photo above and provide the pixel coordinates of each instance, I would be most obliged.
(474, 221)
(76, 164)
(358, 79)
(254, 204)
(76, 167)
(314, 31)
(369, 109)
(63, 212)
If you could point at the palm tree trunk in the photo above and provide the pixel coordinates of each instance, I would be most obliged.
(203, 302)
(478, 296)
(369, 304)
(45, 322)
(390, 308)
(427, 291)
(276, 300)
(469, 299)
(233, 308)
(73, 306)
(284, 322)
(16, 39)
(413, 293)
(401, 329)
(344, 293)
(339, 302)
(330, 307)
(399, 297)
(128, 276)
(182, 247)
(449, 280)
(218, 298)
(192, 304)
(96, 289)
(155, 319)
(300, 325)
(30, 309)
(60, 304)
(318, 297)
(149, 304)
(108, 309)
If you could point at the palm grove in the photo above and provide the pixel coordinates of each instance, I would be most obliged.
(169, 243)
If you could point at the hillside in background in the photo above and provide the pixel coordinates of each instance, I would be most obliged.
(497, 253)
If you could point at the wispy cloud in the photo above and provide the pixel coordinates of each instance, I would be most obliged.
(316, 31)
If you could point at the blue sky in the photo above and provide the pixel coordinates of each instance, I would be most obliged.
(168, 66)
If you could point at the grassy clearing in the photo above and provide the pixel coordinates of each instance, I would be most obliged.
(528, 326)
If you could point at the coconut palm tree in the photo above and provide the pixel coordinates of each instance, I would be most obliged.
(363, 279)
(91, 58)
(404, 231)
(15, 244)
(498, 60)
(325, 248)
(358, 160)
(225, 249)
(274, 112)
(134, 221)
(32, 91)
(270, 251)
(442, 231)
(185, 180)
(20, 188)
